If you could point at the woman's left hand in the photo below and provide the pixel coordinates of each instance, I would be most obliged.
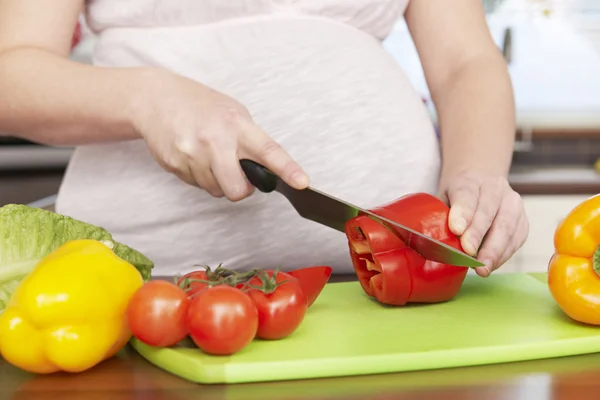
(488, 215)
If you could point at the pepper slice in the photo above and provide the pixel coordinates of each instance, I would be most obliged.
(312, 280)
(574, 268)
(392, 272)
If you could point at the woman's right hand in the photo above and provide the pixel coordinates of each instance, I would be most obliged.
(200, 135)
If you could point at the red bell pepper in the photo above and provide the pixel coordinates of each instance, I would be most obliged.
(392, 272)
(312, 280)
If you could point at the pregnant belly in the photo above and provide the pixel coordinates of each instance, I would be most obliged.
(329, 94)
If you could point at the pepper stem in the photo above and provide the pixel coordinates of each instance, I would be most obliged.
(596, 261)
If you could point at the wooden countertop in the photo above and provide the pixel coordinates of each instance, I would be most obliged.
(129, 376)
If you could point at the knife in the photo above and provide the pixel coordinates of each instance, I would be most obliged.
(320, 207)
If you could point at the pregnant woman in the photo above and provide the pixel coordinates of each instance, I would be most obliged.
(180, 90)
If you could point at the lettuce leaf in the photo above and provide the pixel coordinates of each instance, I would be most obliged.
(28, 234)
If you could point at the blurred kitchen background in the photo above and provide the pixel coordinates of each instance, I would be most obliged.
(553, 51)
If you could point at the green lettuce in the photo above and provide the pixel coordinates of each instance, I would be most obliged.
(28, 234)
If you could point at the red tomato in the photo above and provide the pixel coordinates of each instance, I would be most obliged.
(222, 320)
(281, 310)
(208, 276)
(312, 280)
(194, 286)
(156, 314)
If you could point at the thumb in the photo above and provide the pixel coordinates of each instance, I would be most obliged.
(463, 200)
(258, 146)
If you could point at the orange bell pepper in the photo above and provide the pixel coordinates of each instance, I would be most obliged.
(574, 269)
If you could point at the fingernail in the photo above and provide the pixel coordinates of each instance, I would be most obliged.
(468, 246)
(300, 179)
(460, 224)
(488, 265)
(473, 246)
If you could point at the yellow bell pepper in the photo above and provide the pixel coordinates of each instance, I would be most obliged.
(574, 269)
(69, 313)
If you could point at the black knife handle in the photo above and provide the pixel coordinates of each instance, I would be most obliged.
(259, 176)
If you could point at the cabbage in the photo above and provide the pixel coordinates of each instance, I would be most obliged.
(28, 234)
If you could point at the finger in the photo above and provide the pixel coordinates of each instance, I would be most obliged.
(227, 171)
(490, 197)
(186, 176)
(463, 198)
(204, 177)
(178, 167)
(517, 241)
(484, 272)
(258, 146)
(501, 233)
(511, 249)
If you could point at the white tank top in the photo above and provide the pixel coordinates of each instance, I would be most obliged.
(313, 74)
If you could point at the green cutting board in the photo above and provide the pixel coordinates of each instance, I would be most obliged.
(503, 318)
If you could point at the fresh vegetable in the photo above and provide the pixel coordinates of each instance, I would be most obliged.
(574, 268)
(69, 313)
(195, 281)
(157, 312)
(392, 272)
(28, 234)
(224, 310)
(280, 302)
(222, 320)
(312, 280)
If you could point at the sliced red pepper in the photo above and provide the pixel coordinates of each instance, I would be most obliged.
(392, 272)
(312, 280)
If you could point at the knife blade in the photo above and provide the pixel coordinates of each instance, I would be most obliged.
(327, 210)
